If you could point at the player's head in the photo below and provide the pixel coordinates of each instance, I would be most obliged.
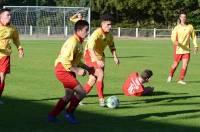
(182, 17)
(79, 16)
(106, 22)
(81, 28)
(5, 16)
(146, 75)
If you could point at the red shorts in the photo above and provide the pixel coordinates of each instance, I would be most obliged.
(178, 57)
(5, 64)
(67, 78)
(88, 60)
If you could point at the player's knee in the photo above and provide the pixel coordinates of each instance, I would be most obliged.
(93, 80)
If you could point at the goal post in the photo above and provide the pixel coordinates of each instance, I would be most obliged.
(45, 20)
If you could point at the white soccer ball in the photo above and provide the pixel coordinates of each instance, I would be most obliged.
(112, 102)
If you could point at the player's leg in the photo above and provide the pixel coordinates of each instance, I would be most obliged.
(61, 104)
(2, 84)
(74, 101)
(175, 64)
(183, 71)
(90, 83)
(148, 90)
(100, 86)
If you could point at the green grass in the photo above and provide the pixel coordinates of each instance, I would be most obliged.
(32, 90)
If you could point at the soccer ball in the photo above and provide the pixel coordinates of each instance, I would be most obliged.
(112, 102)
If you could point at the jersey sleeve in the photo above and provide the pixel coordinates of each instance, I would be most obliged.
(15, 37)
(193, 37)
(92, 40)
(67, 53)
(174, 35)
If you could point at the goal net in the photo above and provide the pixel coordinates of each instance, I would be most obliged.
(43, 21)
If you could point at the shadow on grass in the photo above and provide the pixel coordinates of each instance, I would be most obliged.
(128, 56)
(27, 116)
(196, 81)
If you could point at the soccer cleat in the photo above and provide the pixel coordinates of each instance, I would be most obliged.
(169, 79)
(81, 103)
(52, 119)
(102, 103)
(181, 82)
(71, 118)
(1, 102)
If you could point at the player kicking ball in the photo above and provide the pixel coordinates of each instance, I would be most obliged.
(67, 66)
(133, 86)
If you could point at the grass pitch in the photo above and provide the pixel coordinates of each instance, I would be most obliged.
(32, 90)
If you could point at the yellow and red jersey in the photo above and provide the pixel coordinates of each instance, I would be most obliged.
(98, 41)
(132, 86)
(182, 34)
(71, 53)
(8, 34)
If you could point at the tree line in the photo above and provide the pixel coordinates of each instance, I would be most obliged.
(128, 13)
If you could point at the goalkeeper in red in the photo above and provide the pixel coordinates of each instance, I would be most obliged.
(67, 66)
(94, 55)
(133, 86)
(181, 35)
(8, 34)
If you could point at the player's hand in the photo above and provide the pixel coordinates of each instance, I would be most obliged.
(195, 50)
(21, 53)
(81, 72)
(116, 60)
(100, 63)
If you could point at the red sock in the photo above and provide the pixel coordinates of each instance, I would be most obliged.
(171, 72)
(87, 88)
(2, 85)
(100, 87)
(73, 104)
(58, 108)
(182, 74)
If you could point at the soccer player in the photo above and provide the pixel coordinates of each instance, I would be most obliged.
(76, 17)
(181, 35)
(67, 66)
(94, 55)
(8, 34)
(133, 86)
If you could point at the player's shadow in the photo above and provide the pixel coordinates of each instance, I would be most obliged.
(195, 81)
(106, 95)
(22, 116)
(160, 93)
(128, 56)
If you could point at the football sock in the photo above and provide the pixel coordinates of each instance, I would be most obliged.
(182, 74)
(59, 107)
(73, 104)
(100, 87)
(87, 88)
(2, 85)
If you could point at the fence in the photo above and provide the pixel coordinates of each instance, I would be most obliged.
(62, 32)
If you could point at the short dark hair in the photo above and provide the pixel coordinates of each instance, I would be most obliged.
(146, 74)
(106, 17)
(80, 24)
(4, 9)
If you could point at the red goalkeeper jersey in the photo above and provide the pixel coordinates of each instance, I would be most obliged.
(132, 86)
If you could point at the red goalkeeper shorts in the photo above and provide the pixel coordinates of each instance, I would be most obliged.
(67, 78)
(5, 64)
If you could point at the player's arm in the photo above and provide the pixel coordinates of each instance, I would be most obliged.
(113, 51)
(193, 37)
(73, 18)
(174, 36)
(17, 43)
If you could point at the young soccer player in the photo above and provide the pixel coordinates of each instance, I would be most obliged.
(76, 17)
(94, 55)
(8, 34)
(133, 86)
(67, 66)
(181, 35)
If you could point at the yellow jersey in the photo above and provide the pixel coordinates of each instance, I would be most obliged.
(182, 34)
(8, 34)
(98, 41)
(71, 53)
